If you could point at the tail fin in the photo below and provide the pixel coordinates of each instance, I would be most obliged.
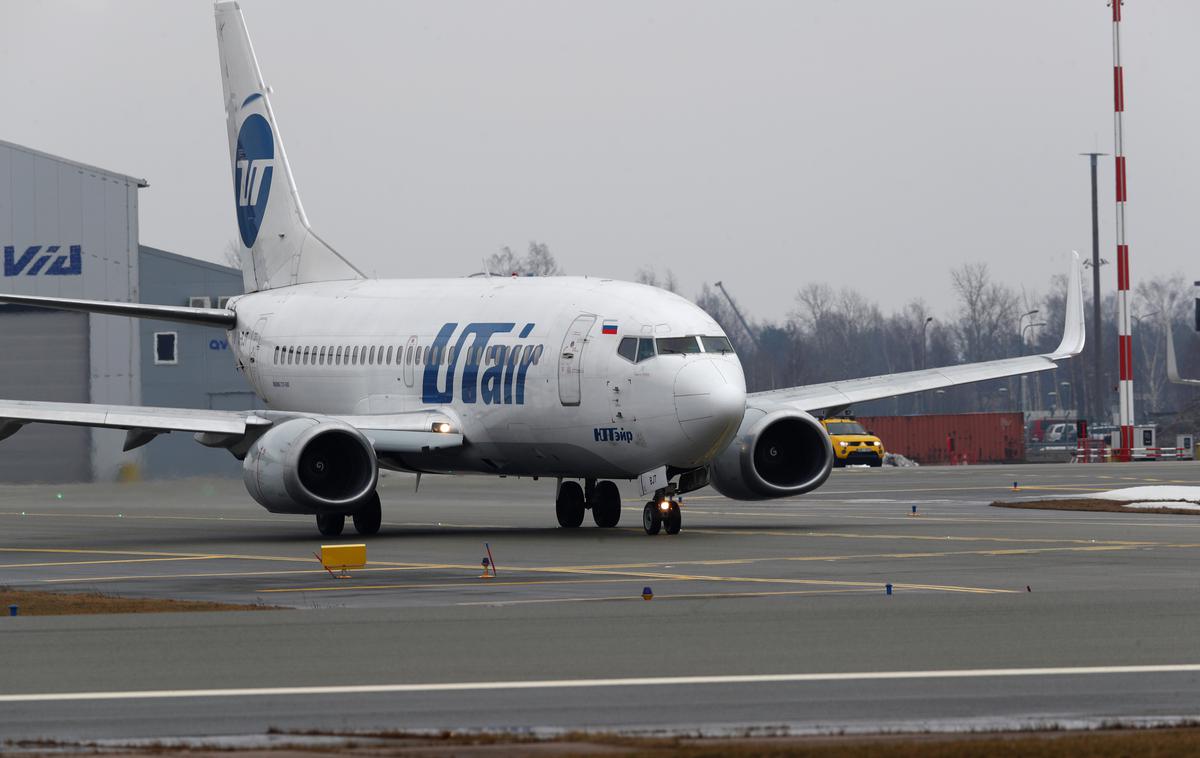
(277, 245)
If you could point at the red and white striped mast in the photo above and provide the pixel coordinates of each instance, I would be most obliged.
(1124, 322)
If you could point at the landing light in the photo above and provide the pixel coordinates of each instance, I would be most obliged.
(441, 427)
(664, 505)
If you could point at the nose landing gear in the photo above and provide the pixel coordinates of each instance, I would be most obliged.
(660, 513)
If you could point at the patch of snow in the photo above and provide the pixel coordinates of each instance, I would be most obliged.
(1179, 505)
(1152, 492)
(896, 459)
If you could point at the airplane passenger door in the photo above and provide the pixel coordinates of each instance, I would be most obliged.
(254, 366)
(570, 360)
(406, 359)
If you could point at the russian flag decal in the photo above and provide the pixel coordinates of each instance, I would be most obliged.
(608, 327)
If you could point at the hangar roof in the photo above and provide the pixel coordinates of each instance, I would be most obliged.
(92, 169)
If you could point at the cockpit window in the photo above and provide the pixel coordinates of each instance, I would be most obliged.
(716, 344)
(645, 349)
(677, 345)
(628, 349)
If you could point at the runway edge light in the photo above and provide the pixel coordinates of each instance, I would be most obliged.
(647, 593)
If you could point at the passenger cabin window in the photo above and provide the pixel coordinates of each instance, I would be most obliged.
(165, 348)
(677, 345)
(389, 356)
(627, 349)
(716, 344)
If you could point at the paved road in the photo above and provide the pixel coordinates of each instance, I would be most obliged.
(789, 587)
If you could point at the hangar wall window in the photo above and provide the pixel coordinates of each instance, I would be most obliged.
(166, 348)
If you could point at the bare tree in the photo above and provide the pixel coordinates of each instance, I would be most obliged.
(649, 275)
(539, 261)
(233, 255)
(987, 313)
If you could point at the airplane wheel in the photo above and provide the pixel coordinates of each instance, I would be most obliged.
(569, 505)
(674, 519)
(651, 520)
(331, 524)
(369, 516)
(606, 510)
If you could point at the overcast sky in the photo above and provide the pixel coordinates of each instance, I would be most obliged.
(869, 144)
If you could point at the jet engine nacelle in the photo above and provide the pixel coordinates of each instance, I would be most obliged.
(776, 452)
(308, 465)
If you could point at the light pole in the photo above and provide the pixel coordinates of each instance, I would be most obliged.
(924, 328)
(1024, 378)
(924, 364)
(1097, 338)
(1066, 395)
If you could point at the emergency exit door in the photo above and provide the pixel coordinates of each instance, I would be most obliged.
(570, 360)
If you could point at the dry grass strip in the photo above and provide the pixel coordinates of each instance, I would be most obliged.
(35, 603)
(1089, 504)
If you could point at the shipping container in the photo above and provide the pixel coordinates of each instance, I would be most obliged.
(952, 438)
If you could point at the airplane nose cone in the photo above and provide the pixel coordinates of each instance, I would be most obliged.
(710, 400)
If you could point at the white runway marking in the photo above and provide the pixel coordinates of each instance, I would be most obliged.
(587, 683)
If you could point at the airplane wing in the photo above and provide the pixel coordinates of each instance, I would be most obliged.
(391, 433)
(840, 394)
(1172, 366)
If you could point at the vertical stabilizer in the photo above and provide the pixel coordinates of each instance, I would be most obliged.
(277, 245)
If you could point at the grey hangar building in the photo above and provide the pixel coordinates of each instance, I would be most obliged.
(71, 230)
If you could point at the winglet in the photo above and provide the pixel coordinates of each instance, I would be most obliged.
(1172, 365)
(1075, 329)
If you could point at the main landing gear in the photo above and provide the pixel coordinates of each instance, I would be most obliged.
(603, 498)
(662, 512)
(367, 519)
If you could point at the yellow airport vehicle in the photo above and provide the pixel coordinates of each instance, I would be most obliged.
(852, 444)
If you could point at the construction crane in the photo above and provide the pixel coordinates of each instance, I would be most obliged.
(736, 312)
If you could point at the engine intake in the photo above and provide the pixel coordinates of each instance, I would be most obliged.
(776, 453)
(308, 465)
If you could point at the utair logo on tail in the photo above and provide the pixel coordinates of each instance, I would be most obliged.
(252, 170)
(504, 367)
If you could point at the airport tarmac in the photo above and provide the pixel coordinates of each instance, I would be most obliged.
(779, 608)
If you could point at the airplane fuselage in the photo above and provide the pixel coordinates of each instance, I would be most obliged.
(530, 368)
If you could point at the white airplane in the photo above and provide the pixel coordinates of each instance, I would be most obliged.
(1172, 365)
(577, 378)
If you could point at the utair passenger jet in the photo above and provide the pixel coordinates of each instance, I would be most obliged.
(582, 379)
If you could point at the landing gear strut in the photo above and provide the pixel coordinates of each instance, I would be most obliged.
(662, 512)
